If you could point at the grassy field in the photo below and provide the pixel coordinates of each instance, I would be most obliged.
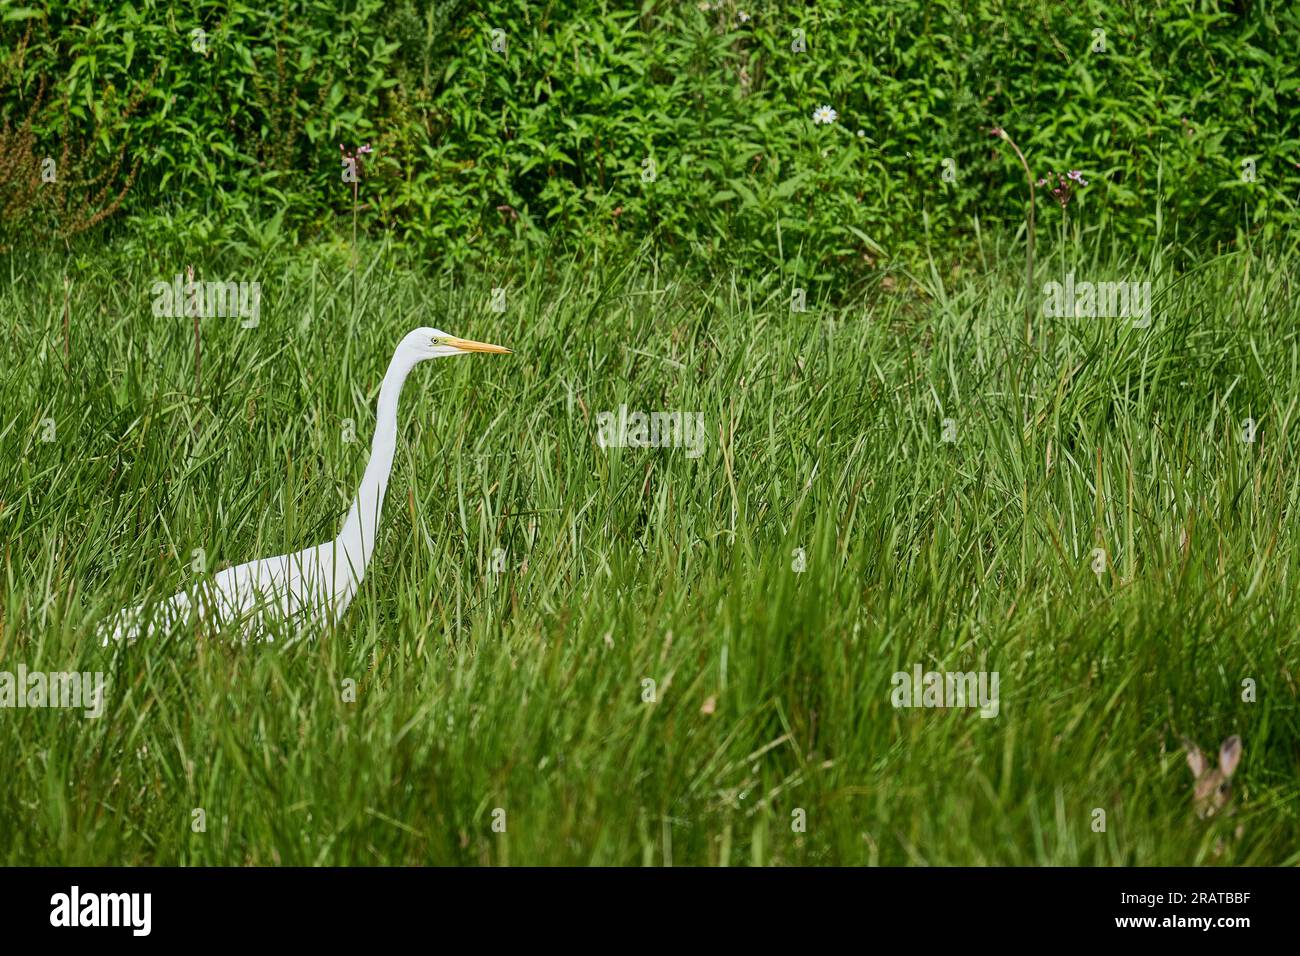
(530, 583)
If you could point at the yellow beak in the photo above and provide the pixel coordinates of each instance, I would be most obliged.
(469, 345)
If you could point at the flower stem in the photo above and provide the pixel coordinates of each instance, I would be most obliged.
(354, 244)
(1029, 253)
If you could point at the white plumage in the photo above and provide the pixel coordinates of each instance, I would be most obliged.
(306, 590)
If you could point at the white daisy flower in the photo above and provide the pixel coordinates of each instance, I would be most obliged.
(743, 16)
(824, 114)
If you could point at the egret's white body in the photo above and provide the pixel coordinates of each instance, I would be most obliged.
(312, 587)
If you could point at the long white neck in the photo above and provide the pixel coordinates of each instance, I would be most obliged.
(360, 531)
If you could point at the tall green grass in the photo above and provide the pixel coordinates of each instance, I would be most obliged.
(524, 691)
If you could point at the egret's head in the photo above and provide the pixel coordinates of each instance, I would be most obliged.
(429, 343)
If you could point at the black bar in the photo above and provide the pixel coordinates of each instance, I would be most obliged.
(338, 906)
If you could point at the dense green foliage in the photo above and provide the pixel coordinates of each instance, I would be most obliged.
(524, 690)
(553, 138)
(634, 654)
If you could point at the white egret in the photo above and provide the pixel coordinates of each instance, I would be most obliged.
(313, 586)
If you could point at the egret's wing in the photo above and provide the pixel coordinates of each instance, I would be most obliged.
(144, 620)
(289, 588)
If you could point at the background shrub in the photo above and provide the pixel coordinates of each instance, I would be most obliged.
(235, 130)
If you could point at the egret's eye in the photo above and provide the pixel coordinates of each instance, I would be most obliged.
(435, 341)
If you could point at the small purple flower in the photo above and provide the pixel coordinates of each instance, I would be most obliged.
(1062, 185)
